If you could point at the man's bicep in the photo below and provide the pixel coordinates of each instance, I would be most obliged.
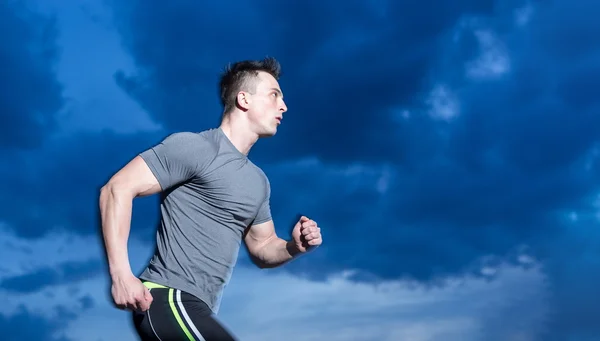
(262, 228)
(136, 178)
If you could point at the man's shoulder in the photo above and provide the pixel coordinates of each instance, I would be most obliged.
(189, 135)
(200, 139)
(260, 171)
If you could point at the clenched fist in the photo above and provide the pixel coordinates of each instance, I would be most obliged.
(306, 234)
(130, 293)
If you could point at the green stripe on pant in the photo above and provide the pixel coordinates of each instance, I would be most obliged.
(177, 316)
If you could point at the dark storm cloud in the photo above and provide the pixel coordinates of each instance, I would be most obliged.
(58, 186)
(25, 325)
(31, 95)
(64, 273)
(87, 302)
(574, 268)
(343, 68)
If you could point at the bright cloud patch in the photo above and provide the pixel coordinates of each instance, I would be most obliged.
(493, 59)
(523, 15)
(340, 309)
(443, 103)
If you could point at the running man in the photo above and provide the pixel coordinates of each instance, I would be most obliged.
(212, 198)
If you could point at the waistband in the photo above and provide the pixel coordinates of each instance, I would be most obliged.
(152, 285)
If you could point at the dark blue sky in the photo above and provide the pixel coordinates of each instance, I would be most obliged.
(432, 142)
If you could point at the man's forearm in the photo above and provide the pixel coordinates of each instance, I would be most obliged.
(115, 213)
(276, 252)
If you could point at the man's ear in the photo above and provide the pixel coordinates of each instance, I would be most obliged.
(243, 100)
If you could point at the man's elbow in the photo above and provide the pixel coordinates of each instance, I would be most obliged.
(256, 258)
(114, 190)
(104, 194)
(262, 264)
(258, 263)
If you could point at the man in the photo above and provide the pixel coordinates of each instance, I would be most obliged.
(212, 198)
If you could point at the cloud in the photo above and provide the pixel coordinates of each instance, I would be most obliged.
(95, 101)
(54, 185)
(45, 273)
(492, 61)
(20, 327)
(443, 104)
(68, 272)
(32, 97)
(41, 285)
(572, 264)
(342, 73)
(55, 304)
(338, 308)
(523, 14)
(63, 180)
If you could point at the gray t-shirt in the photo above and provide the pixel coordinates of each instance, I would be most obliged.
(211, 194)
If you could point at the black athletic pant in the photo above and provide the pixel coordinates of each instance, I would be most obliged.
(175, 315)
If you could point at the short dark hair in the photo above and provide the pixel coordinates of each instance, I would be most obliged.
(240, 76)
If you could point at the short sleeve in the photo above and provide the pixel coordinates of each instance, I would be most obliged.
(264, 212)
(178, 158)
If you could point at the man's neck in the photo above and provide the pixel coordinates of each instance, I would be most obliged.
(239, 134)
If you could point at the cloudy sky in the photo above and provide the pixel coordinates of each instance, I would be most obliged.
(448, 149)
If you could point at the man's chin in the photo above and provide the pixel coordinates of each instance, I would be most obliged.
(268, 133)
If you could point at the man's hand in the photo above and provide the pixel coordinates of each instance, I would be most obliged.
(130, 293)
(306, 234)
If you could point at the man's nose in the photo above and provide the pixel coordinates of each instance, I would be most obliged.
(283, 107)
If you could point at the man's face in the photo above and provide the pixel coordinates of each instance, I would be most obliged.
(266, 106)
